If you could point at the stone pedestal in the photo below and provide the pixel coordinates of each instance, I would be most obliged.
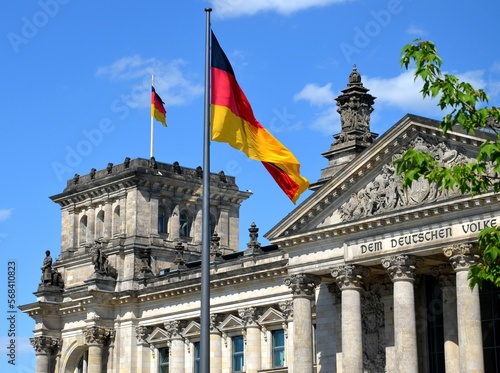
(401, 269)
(349, 280)
(470, 339)
(303, 289)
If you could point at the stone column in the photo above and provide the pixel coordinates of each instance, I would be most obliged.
(303, 291)
(108, 220)
(470, 339)
(349, 280)
(177, 357)
(446, 277)
(144, 361)
(252, 341)
(174, 223)
(94, 338)
(401, 269)
(123, 216)
(89, 239)
(215, 343)
(44, 347)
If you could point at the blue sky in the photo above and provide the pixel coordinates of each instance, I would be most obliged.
(75, 85)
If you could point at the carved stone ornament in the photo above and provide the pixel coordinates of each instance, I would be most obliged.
(249, 316)
(44, 344)
(462, 256)
(350, 276)
(215, 320)
(142, 332)
(286, 308)
(96, 335)
(386, 193)
(302, 285)
(401, 267)
(174, 328)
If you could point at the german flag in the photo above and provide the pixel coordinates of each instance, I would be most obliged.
(157, 109)
(233, 122)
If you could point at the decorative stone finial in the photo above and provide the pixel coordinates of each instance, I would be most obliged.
(253, 245)
(355, 77)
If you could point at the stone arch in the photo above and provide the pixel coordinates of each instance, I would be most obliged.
(70, 359)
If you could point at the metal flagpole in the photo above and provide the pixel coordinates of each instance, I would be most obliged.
(152, 119)
(205, 247)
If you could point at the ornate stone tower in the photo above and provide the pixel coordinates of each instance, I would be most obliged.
(355, 105)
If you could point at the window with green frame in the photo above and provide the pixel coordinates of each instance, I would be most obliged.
(278, 345)
(163, 360)
(238, 353)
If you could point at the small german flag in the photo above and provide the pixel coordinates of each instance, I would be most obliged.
(157, 107)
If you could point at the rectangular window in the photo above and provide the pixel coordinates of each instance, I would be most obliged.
(238, 353)
(278, 337)
(196, 362)
(163, 360)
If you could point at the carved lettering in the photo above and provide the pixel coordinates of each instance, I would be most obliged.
(371, 247)
(475, 227)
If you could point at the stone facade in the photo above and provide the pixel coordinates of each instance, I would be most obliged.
(364, 276)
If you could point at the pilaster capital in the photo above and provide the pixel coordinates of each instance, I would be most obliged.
(174, 327)
(462, 256)
(445, 275)
(349, 276)
(142, 332)
(286, 308)
(215, 320)
(44, 345)
(249, 316)
(302, 284)
(96, 335)
(401, 267)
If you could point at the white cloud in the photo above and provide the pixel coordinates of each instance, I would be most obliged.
(416, 31)
(235, 8)
(401, 92)
(327, 121)
(316, 95)
(171, 81)
(4, 214)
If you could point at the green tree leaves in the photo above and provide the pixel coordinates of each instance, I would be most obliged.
(468, 109)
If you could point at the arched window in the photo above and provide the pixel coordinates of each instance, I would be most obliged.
(83, 230)
(185, 224)
(82, 366)
(116, 221)
(162, 220)
(99, 226)
(213, 225)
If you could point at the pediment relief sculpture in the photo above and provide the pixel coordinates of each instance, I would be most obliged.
(386, 193)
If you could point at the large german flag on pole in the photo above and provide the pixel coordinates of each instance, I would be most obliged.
(233, 122)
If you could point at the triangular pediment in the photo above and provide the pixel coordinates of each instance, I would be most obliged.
(271, 316)
(192, 329)
(367, 191)
(231, 323)
(158, 335)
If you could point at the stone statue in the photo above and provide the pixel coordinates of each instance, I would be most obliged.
(50, 276)
(47, 269)
(99, 259)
